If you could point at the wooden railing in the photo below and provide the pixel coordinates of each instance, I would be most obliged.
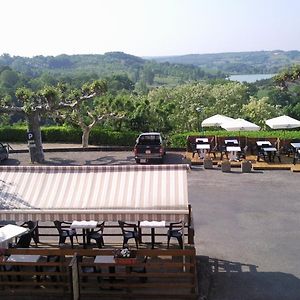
(48, 234)
(156, 274)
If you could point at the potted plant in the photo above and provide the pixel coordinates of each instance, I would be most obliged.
(125, 256)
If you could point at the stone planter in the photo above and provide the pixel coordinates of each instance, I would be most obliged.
(207, 163)
(226, 166)
(246, 166)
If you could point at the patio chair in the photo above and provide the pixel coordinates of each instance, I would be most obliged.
(243, 153)
(176, 231)
(33, 227)
(25, 239)
(194, 149)
(65, 232)
(96, 235)
(129, 234)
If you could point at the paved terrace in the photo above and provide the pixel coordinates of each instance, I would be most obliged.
(247, 225)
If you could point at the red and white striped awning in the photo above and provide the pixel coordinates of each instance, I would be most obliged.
(108, 193)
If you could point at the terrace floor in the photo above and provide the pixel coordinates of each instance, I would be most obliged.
(285, 164)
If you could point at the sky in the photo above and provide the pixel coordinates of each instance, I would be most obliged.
(147, 27)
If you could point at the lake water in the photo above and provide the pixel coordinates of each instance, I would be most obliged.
(250, 77)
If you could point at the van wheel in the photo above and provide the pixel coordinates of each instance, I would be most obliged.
(137, 160)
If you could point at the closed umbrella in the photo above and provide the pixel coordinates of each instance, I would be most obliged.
(283, 122)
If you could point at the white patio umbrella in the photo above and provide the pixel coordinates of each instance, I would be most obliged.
(283, 122)
(215, 121)
(240, 125)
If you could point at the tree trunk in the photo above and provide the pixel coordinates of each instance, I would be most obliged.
(85, 136)
(35, 147)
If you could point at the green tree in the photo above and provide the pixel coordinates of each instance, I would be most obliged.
(47, 101)
(260, 110)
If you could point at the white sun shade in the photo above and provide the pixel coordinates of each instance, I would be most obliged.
(240, 125)
(283, 122)
(215, 121)
(105, 193)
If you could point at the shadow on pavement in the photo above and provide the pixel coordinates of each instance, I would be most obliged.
(226, 280)
(110, 160)
(11, 162)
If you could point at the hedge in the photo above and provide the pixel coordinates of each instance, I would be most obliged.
(62, 134)
(104, 137)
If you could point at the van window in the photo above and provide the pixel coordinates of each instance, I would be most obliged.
(149, 140)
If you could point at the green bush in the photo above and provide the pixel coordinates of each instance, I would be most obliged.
(112, 138)
(13, 134)
(104, 137)
(55, 134)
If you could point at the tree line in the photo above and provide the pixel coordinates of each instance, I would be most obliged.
(85, 101)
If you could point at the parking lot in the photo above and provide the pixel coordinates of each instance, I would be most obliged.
(248, 224)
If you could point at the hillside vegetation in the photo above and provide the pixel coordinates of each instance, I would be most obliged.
(258, 62)
(97, 66)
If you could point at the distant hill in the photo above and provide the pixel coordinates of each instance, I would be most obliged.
(138, 69)
(258, 62)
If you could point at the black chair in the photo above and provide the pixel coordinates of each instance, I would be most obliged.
(33, 227)
(96, 235)
(129, 234)
(176, 231)
(243, 153)
(194, 149)
(65, 232)
(25, 239)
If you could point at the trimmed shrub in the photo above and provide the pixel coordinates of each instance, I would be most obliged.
(55, 134)
(13, 134)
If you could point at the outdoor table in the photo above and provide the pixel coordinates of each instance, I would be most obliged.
(203, 146)
(8, 232)
(201, 140)
(261, 143)
(233, 141)
(104, 259)
(296, 147)
(152, 225)
(23, 258)
(84, 225)
(233, 150)
(270, 151)
(201, 149)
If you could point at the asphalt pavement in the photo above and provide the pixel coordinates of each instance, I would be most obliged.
(246, 224)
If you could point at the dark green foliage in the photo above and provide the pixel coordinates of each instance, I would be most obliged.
(75, 69)
(238, 62)
(61, 134)
(102, 137)
(13, 134)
